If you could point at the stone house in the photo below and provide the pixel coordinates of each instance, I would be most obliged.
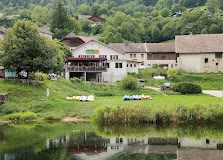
(200, 53)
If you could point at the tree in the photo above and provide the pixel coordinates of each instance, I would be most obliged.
(65, 49)
(86, 25)
(129, 82)
(109, 38)
(102, 10)
(25, 14)
(214, 29)
(164, 12)
(40, 16)
(23, 48)
(212, 5)
(84, 10)
(59, 17)
(72, 25)
(155, 34)
(94, 9)
(171, 73)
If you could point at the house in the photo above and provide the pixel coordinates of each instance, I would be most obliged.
(162, 54)
(94, 19)
(176, 14)
(200, 53)
(149, 54)
(73, 41)
(96, 61)
(45, 32)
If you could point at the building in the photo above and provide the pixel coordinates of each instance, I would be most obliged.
(176, 15)
(149, 54)
(162, 54)
(96, 61)
(45, 32)
(200, 53)
(94, 19)
(73, 41)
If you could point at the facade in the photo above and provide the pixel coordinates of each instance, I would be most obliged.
(200, 53)
(149, 54)
(96, 61)
(73, 41)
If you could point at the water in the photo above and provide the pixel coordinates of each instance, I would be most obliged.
(71, 141)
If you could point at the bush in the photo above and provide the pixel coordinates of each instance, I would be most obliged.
(53, 117)
(187, 88)
(129, 82)
(22, 116)
(41, 76)
(76, 79)
(171, 72)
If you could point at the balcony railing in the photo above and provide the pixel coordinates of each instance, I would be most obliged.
(87, 68)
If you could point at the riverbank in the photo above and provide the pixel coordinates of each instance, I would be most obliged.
(27, 102)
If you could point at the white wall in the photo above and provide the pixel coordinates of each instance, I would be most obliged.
(190, 62)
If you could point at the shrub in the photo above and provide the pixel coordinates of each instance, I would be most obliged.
(22, 116)
(129, 82)
(53, 117)
(76, 79)
(187, 88)
(41, 76)
(172, 72)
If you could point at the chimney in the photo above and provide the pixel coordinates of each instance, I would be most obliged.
(126, 43)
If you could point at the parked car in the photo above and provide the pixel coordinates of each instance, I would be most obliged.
(166, 86)
(141, 82)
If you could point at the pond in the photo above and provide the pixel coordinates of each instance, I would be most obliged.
(76, 141)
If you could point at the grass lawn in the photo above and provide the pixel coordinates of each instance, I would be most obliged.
(23, 98)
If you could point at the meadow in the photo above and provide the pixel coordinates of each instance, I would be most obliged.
(26, 102)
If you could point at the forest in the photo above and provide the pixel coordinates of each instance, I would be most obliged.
(138, 21)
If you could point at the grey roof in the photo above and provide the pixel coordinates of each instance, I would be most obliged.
(203, 43)
(45, 31)
(161, 47)
(84, 16)
(132, 47)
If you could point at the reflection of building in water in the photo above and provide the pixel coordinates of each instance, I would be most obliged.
(203, 149)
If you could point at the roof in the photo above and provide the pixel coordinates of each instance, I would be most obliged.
(74, 36)
(84, 16)
(100, 43)
(203, 43)
(161, 47)
(45, 31)
(132, 47)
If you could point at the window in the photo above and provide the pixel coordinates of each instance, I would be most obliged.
(142, 55)
(118, 65)
(218, 55)
(107, 65)
(206, 60)
(82, 56)
(207, 141)
(130, 65)
(127, 65)
(134, 55)
(102, 56)
(163, 58)
(216, 64)
(134, 65)
(142, 62)
(130, 55)
(171, 65)
(113, 57)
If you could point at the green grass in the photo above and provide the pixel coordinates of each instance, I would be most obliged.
(207, 81)
(25, 98)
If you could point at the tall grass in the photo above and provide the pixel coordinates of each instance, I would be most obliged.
(196, 112)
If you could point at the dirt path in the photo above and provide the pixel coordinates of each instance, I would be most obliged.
(155, 89)
(215, 93)
(74, 119)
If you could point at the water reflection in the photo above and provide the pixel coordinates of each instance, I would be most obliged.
(87, 141)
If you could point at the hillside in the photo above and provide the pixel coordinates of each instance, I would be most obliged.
(149, 21)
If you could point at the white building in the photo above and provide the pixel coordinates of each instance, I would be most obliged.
(200, 53)
(96, 61)
(45, 32)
